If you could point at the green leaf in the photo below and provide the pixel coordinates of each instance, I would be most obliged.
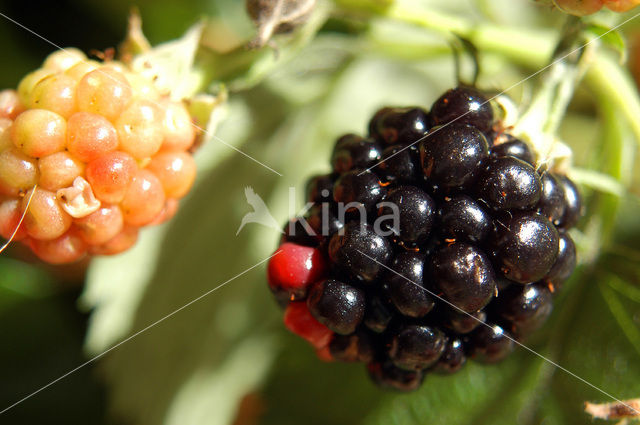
(625, 288)
(621, 315)
(599, 181)
(480, 389)
(302, 389)
(610, 37)
(615, 156)
(596, 349)
(185, 358)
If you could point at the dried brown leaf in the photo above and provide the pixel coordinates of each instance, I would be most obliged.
(615, 410)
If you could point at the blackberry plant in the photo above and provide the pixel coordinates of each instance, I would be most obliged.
(489, 225)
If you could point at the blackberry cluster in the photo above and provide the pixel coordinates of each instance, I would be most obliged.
(418, 256)
(90, 152)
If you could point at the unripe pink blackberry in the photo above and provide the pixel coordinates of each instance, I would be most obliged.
(89, 153)
(621, 5)
(588, 7)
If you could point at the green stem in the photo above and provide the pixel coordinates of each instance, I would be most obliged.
(598, 181)
(563, 95)
(540, 122)
(429, 19)
(526, 46)
(541, 119)
(618, 162)
(609, 80)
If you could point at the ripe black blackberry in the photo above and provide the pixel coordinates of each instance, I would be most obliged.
(448, 251)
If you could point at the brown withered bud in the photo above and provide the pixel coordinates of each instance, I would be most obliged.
(276, 17)
(626, 409)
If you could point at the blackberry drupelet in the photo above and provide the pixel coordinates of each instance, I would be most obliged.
(463, 105)
(358, 190)
(294, 268)
(360, 252)
(378, 312)
(451, 155)
(507, 145)
(406, 286)
(415, 211)
(320, 188)
(298, 319)
(415, 347)
(459, 262)
(390, 377)
(572, 202)
(356, 347)
(523, 309)
(452, 358)
(315, 226)
(401, 126)
(509, 183)
(565, 262)
(551, 204)
(337, 305)
(489, 344)
(352, 151)
(463, 218)
(449, 250)
(458, 321)
(399, 164)
(525, 246)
